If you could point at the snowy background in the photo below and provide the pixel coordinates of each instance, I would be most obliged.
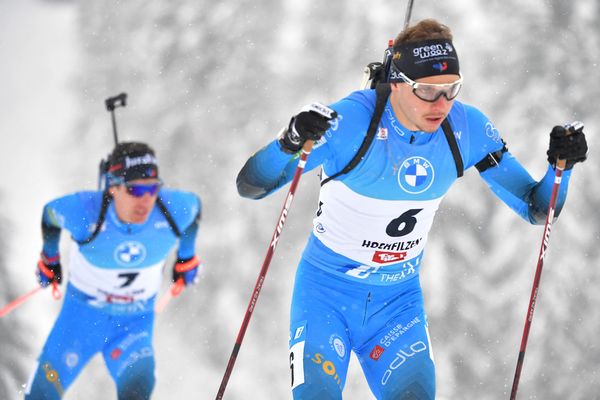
(211, 82)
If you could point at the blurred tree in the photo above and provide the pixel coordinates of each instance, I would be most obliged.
(14, 346)
(211, 82)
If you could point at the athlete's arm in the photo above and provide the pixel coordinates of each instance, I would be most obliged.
(508, 179)
(187, 263)
(187, 240)
(272, 167)
(50, 233)
(74, 213)
(266, 171)
(528, 198)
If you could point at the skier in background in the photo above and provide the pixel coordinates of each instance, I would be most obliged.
(357, 285)
(123, 235)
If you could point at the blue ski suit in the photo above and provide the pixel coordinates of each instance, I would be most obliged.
(113, 282)
(357, 285)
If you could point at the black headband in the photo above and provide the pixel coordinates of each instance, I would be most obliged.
(131, 167)
(426, 58)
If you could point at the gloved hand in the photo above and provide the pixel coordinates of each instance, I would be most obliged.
(310, 124)
(187, 269)
(49, 270)
(567, 143)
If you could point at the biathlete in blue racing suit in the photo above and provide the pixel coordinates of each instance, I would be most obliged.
(357, 285)
(123, 237)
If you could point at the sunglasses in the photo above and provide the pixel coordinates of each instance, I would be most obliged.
(139, 190)
(430, 92)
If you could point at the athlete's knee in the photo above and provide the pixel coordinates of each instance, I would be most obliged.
(412, 391)
(137, 388)
(39, 390)
(315, 392)
(414, 383)
(137, 381)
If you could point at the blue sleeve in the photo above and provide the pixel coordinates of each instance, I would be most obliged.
(271, 168)
(509, 180)
(186, 210)
(484, 138)
(187, 241)
(75, 213)
(50, 235)
(528, 198)
(266, 171)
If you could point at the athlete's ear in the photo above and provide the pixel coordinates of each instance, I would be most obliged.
(112, 190)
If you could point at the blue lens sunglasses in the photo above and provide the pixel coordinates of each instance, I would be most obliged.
(139, 189)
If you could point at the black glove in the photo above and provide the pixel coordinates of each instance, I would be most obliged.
(310, 124)
(186, 269)
(567, 143)
(49, 270)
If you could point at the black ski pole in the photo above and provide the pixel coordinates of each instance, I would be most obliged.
(306, 149)
(560, 166)
(119, 100)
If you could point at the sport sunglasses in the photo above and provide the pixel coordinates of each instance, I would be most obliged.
(139, 190)
(430, 92)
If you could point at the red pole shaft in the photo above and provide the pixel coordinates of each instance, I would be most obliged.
(174, 290)
(18, 301)
(263, 271)
(538, 275)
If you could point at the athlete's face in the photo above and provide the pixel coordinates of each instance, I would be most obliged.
(135, 200)
(420, 115)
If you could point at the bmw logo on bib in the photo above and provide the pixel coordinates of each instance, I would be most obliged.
(416, 175)
(130, 254)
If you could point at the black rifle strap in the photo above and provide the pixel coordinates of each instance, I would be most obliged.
(106, 199)
(165, 211)
(383, 91)
(453, 147)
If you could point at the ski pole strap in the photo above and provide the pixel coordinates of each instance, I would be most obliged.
(382, 91)
(45, 270)
(49, 260)
(453, 147)
(491, 159)
(185, 266)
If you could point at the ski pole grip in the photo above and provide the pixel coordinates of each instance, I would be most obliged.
(569, 130)
(119, 100)
(560, 163)
(308, 145)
